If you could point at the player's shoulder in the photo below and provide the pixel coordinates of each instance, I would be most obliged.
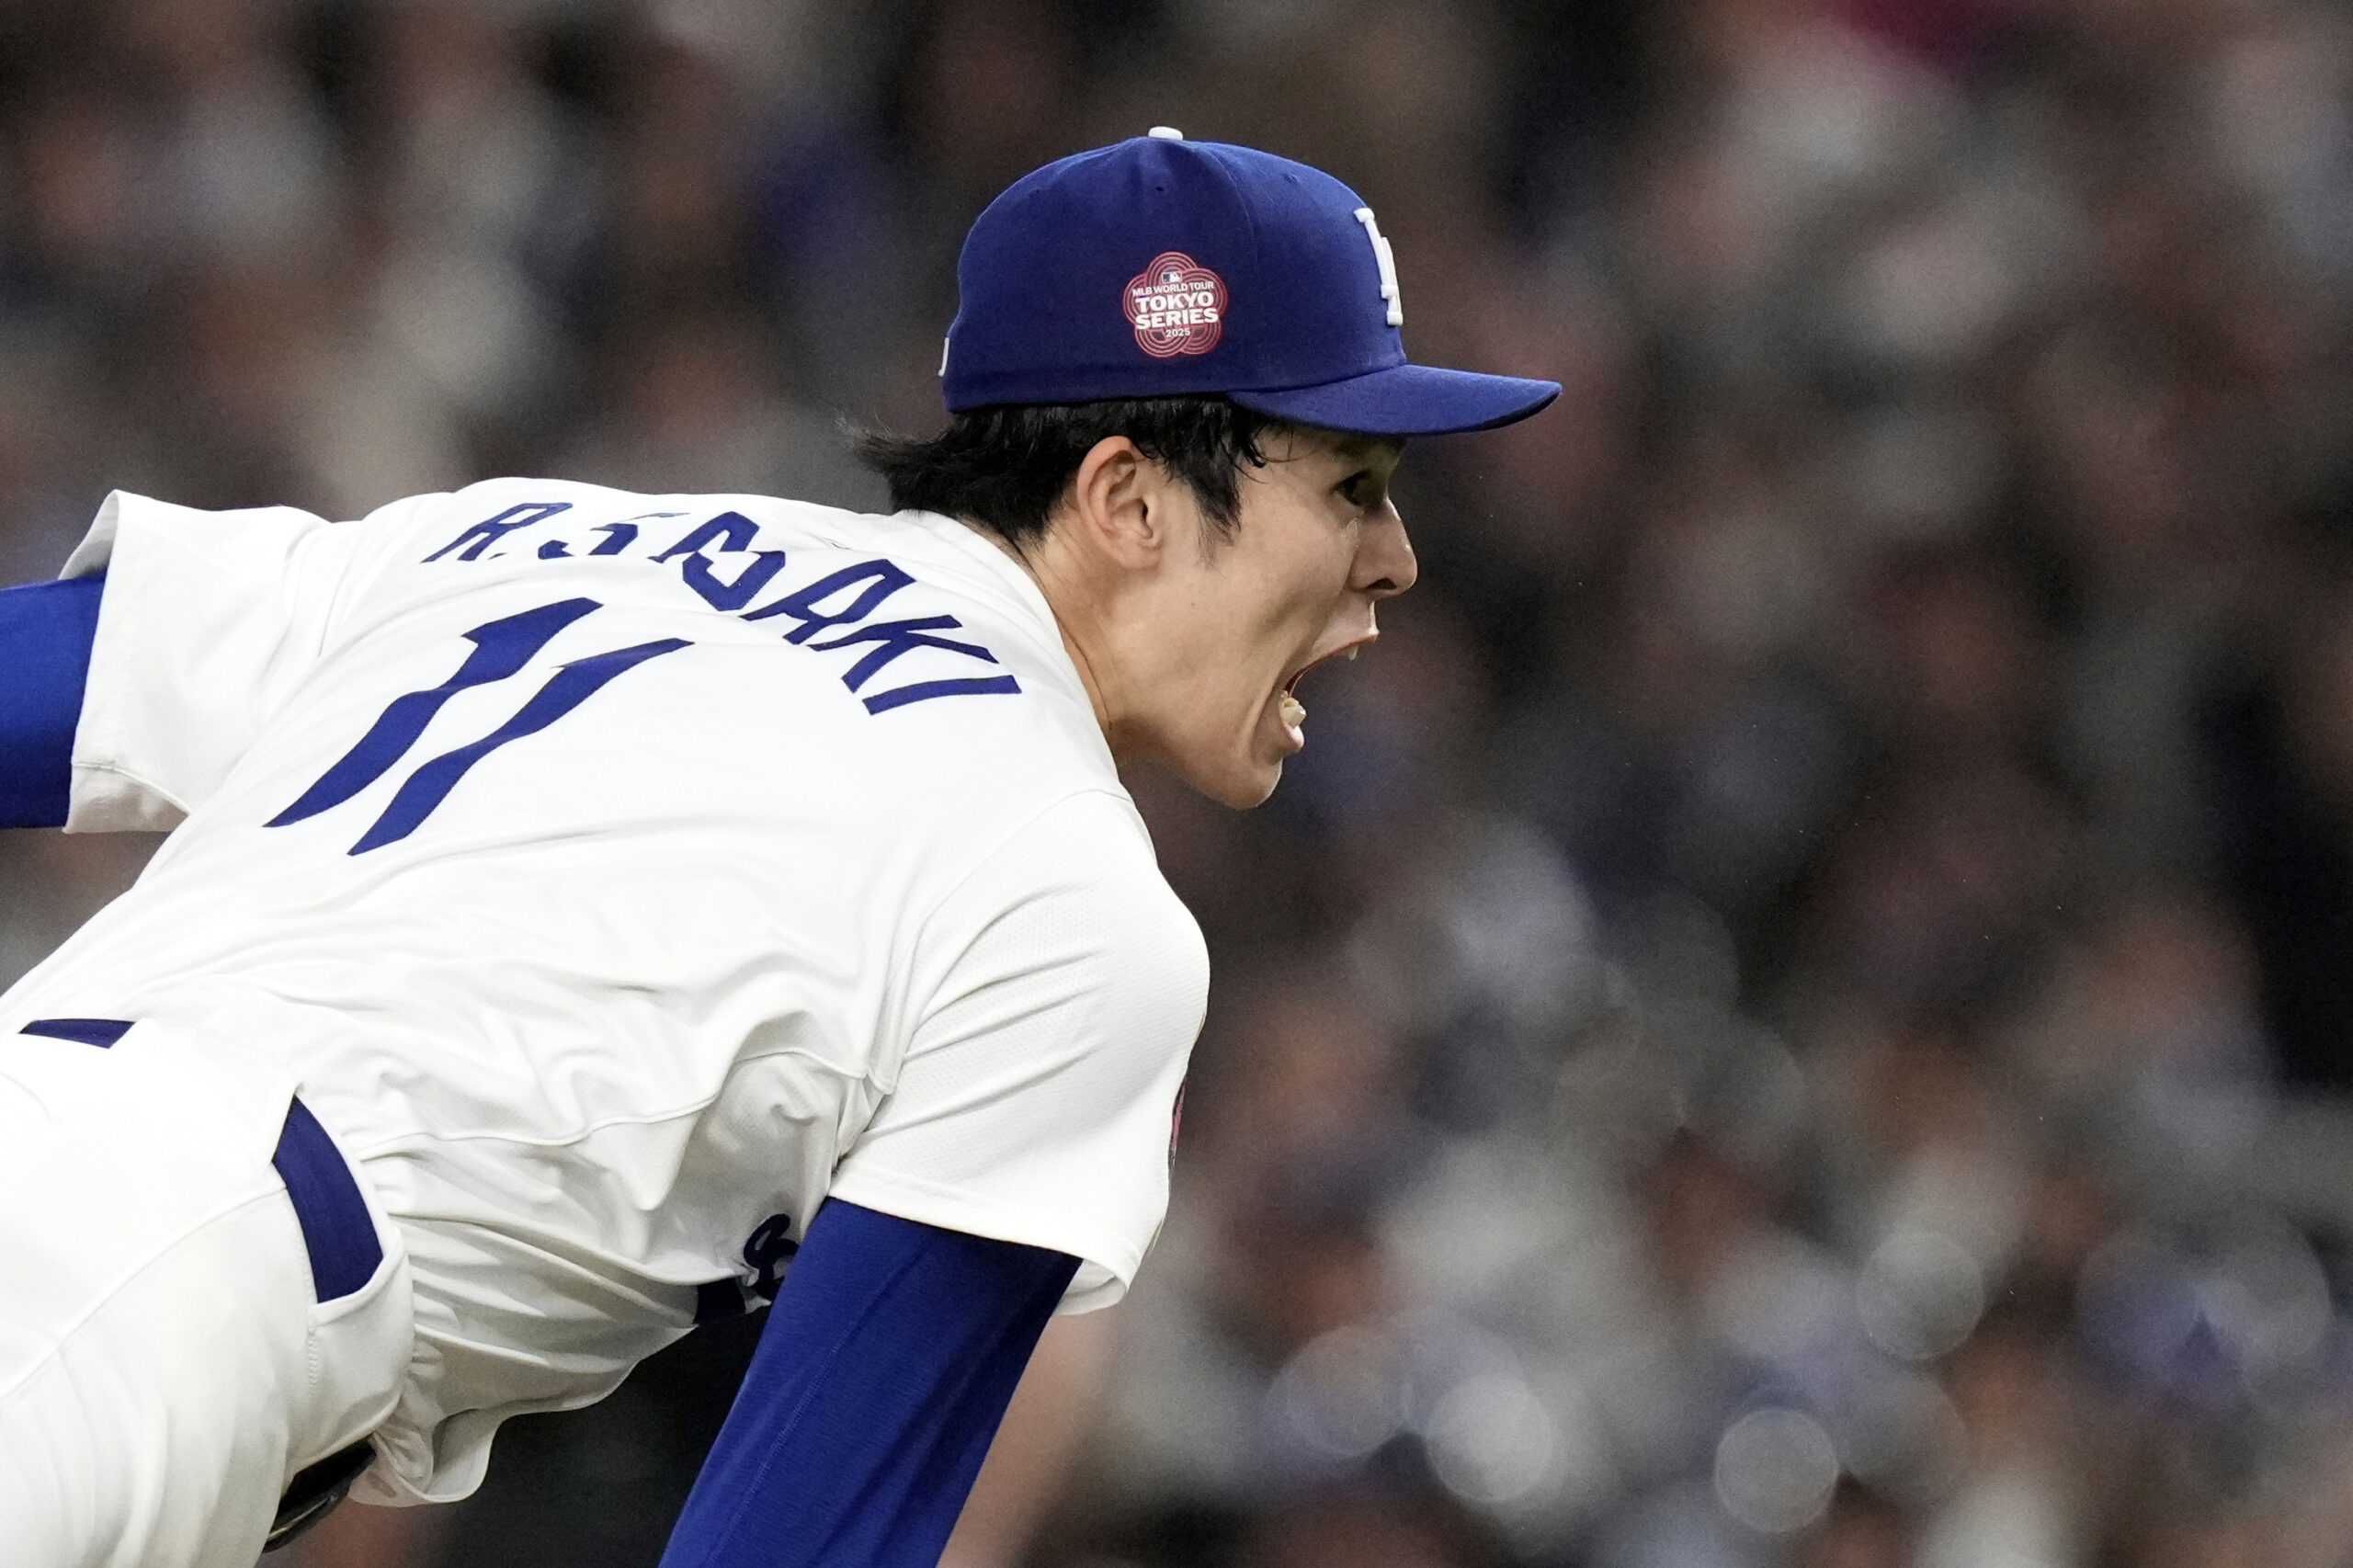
(1078, 875)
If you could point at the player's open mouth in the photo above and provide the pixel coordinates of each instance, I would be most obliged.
(1294, 712)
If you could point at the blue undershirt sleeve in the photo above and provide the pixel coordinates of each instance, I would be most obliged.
(886, 1365)
(46, 632)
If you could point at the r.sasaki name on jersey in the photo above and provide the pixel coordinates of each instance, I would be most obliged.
(832, 613)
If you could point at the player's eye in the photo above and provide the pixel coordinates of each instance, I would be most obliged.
(1359, 490)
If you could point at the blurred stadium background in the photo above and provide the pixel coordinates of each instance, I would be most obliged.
(1798, 1009)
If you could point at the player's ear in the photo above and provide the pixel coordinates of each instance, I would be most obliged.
(1118, 504)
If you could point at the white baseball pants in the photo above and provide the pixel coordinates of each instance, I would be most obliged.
(164, 1366)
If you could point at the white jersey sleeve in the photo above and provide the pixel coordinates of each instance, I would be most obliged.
(208, 620)
(1059, 990)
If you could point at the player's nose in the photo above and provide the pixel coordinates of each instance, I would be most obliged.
(1385, 565)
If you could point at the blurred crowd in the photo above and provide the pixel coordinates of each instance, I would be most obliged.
(1796, 1010)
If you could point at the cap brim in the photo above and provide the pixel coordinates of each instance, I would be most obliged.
(1407, 400)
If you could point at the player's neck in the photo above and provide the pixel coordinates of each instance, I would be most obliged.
(1085, 636)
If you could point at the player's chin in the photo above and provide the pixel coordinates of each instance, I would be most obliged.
(1242, 778)
(1259, 788)
(1240, 766)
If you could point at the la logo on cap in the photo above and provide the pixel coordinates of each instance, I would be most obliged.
(1177, 306)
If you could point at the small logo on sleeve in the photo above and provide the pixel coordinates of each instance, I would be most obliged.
(1177, 306)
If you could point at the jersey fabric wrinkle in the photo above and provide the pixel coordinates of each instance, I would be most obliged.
(591, 1003)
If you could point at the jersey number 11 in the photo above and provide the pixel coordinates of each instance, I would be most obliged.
(500, 650)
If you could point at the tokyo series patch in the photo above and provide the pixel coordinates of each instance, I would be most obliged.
(1177, 306)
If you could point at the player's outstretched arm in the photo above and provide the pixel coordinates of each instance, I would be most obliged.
(46, 633)
(887, 1363)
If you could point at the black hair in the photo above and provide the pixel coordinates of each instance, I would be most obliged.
(1005, 467)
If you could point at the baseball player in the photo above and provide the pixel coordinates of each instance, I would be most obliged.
(580, 906)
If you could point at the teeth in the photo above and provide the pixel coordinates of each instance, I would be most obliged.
(1294, 712)
(1352, 655)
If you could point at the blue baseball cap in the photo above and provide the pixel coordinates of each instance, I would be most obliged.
(1160, 265)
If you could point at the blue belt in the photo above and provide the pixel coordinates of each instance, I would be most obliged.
(336, 1229)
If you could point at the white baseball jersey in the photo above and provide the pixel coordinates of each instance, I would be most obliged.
(620, 875)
